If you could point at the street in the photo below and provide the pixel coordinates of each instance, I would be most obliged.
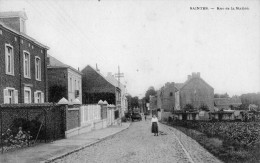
(138, 144)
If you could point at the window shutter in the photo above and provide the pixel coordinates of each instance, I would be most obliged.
(42, 97)
(35, 66)
(15, 96)
(5, 96)
(35, 97)
(12, 63)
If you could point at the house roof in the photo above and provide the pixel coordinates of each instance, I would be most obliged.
(55, 63)
(10, 14)
(191, 79)
(178, 85)
(100, 75)
(23, 35)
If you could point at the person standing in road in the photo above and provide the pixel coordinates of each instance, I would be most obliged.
(154, 122)
(145, 117)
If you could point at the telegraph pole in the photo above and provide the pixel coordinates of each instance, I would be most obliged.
(119, 75)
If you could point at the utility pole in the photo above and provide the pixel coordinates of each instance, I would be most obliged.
(119, 75)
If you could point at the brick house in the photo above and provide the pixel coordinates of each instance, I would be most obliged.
(63, 81)
(194, 91)
(23, 69)
(97, 87)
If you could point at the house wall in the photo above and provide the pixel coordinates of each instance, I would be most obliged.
(18, 81)
(197, 92)
(177, 100)
(35, 51)
(168, 97)
(8, 37)
(76, 85)
(159, 99)
(57, 77)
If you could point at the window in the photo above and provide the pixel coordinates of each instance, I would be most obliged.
(9, 60)
(37, 68)
(71, 85)
(75, 85)
(38, 97)
(10, 96)
(27, 95)
(171, 93)
(26, 64)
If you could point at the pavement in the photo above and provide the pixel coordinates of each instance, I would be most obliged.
(51, 151)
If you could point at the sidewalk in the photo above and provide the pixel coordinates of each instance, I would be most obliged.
(50, 151)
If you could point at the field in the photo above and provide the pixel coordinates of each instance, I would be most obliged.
(229, 141)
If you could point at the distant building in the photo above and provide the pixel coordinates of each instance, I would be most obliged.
(97, 87)
(123, 100)
(63, 81)
(167, 97)
(23, 69)
(227, 103)
(194, 91)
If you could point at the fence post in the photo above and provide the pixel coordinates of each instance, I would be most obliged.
(45, 119)
(1, 130)
(63, 103)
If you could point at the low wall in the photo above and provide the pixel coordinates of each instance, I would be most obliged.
(79, 130)
(98, 125)
(72, 118)
(165, 115)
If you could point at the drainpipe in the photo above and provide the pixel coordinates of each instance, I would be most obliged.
(45, 76)
(20, 69)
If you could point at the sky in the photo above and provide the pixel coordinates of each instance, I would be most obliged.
(153, 41)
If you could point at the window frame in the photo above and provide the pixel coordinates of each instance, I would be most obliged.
(30, 94)
(11, 60)
(38, 99)
(39, 68)
(29, 65)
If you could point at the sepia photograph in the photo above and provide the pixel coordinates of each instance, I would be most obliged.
(129, 81)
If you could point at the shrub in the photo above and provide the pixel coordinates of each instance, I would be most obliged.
(123, 119)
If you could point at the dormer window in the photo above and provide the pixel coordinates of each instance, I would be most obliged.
(22, 26)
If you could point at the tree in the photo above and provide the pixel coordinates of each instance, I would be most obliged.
(224, 95)
(189, 107)
(133, 102)
(216, 95)
(57, 92)
(151, 91)
(204, 107)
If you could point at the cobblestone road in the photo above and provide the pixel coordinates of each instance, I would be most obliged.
(137, 144)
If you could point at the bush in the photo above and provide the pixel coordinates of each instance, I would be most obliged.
(231, 141)
(123, 119)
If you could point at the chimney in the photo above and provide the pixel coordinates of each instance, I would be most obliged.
(193, 74)
(48, 60)
(97, 68)
(198, 74)
(15, 20)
